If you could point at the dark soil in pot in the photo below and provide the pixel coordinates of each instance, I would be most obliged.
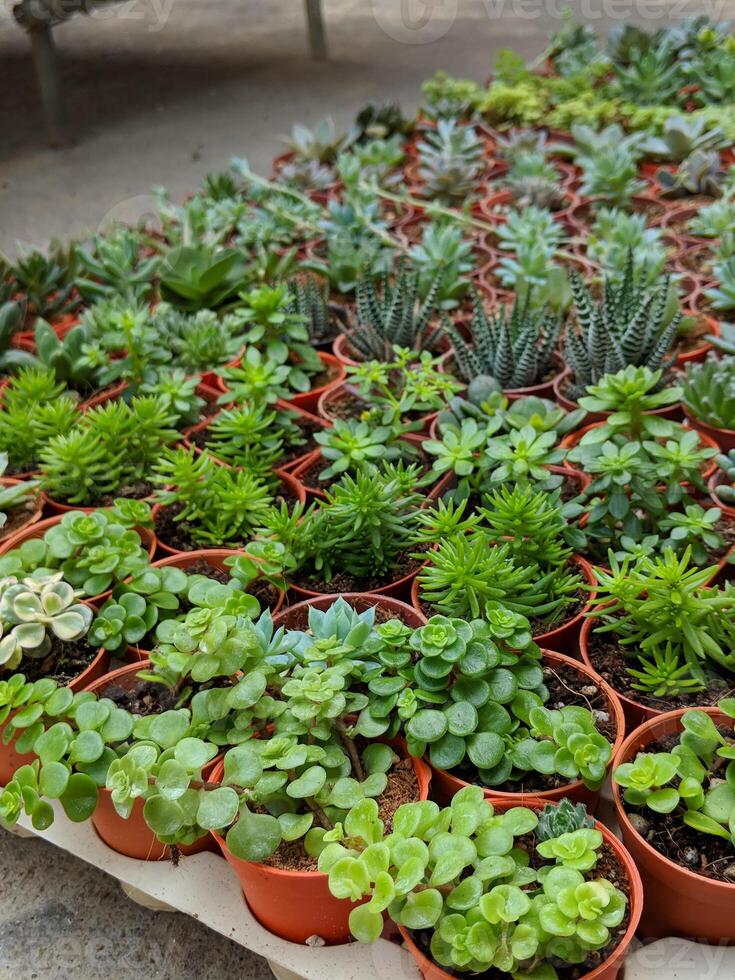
(704, 854)
(19, 516)
(145, 698)
(607, 867)
(137, 491)
(564, 687)
(345, 582)
(608, 658)
(402, 788)
(62, 663)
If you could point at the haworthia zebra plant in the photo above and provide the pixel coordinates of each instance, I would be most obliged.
(390, 315)
(633, 324)
(515, 346)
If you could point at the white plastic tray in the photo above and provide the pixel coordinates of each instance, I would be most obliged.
(205, 887)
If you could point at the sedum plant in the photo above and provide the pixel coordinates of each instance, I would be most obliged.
(693, 781)
(634, 324)
(489, 893)
(515, 348)
(35, 408)
(708, 392)
(14, 495)
(113, 448)
(676, 631)
(216, 506)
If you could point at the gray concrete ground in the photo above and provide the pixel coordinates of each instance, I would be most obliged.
(159, 92)
(161, 99)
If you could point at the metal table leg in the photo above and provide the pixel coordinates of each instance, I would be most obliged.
(49, 84)
(315, 23)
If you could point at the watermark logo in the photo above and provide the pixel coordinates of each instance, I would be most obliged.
(415, 21)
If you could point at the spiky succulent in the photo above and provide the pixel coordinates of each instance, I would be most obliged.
(390, 315)
(513, 346)
(632, 324)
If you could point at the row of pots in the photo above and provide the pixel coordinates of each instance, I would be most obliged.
(297, 905)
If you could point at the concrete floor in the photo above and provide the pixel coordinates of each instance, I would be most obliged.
(163, 107)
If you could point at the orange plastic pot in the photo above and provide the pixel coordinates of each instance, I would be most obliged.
(678, 902)
(445, 784)
(133, 837)
(724, 438)
(10, 760)
(214, 557)
(612, 967)
(308, 400)
(33, 517)
(565, 637)
(296, 905)
(287, 481)
(102, 397)
(296, 617)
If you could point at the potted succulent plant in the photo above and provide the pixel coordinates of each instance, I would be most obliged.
(672, 786)
(562, 890)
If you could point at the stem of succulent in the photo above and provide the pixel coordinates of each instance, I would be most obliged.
(351, 751)
(318, 813)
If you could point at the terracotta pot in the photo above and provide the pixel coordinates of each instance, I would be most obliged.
(716, 480)
(214, 557)
(565, 637)
(298, 904)
(296, 617)
(133, 837)
(287, 482)
(33, 517)
(678, 902)
(445, 784)
(308, 400)
(611, 968)
(63, 324)
(574, 438)
(724, 438)
(10, 760)
(102, 397)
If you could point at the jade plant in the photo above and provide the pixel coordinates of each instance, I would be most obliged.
(472, 696)
(692, 781)
(489, 889)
